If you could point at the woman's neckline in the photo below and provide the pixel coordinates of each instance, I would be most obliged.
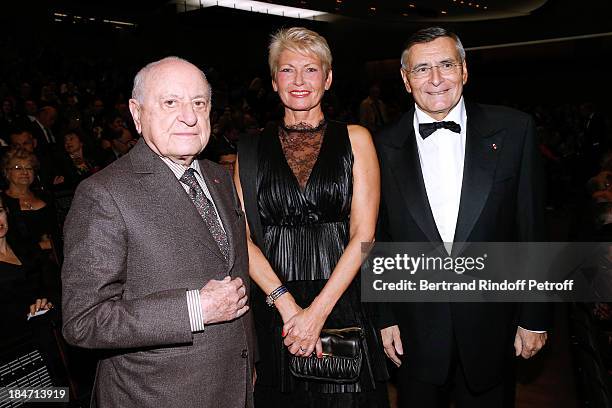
(303, 126)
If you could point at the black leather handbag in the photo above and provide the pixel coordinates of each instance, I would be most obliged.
(342, 357)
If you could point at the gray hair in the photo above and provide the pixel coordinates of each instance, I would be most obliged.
(429, 34)
(302, 41)
(142, 75)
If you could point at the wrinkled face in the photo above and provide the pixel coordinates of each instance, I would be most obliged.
(20, 172)
(174, 117)
(300, 80)
(3, 221)
(436, 93)
(72, 143)
(24, 141)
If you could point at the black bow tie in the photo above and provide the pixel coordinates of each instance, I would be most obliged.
(426, 129)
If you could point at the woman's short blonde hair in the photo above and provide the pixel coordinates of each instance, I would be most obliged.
(302, 41)
(18, 154)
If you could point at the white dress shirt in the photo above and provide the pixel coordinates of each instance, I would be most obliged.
(194, 307)
(441, 156)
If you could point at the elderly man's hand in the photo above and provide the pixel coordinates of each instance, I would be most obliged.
(528, 343)
(392, 343)
(223, 300)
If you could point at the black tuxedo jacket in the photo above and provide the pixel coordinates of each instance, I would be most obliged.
(501, 200)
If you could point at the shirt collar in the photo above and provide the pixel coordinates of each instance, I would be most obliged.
(457, 115)
(179, 169)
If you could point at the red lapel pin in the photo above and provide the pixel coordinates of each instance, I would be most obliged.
(494, 146)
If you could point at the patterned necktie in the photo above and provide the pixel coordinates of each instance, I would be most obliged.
(206, 210)
(426, 129)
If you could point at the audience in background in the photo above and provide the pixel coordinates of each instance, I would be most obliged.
(78, 160)
(28, 281)
(31, 212)
(61, 122)
(373, 111)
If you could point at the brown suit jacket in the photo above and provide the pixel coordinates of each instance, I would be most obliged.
(134, 243)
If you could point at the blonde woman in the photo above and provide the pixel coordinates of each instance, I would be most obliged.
(310, 187)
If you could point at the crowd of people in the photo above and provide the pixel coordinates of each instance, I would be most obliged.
(309, 186)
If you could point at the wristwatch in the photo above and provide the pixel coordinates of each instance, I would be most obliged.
(275, 294)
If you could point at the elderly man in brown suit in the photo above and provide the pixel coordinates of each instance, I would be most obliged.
(156, 268)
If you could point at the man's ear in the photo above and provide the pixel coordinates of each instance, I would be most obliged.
(135, 110)
(405, 79)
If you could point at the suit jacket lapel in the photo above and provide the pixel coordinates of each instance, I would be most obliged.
(483, 147)
(221, 194)
(167, 193)
(406, 168)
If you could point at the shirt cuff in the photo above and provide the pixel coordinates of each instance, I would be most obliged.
(533, 331)
(196, 317)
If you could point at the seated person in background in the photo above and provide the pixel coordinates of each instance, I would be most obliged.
(32, 215)
(228, 160)
(118, 142)
(27, 285)
(77, 161)
(372, 110)
(8, 116)
(222, 152)
(21, 138)
(117, 137)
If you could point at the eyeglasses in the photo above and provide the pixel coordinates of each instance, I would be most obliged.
(445, 68)
(18, 167)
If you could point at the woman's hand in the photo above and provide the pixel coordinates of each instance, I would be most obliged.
(302, 333)
(40, 304)
(287, 307)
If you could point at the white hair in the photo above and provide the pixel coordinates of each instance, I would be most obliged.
(142, 76)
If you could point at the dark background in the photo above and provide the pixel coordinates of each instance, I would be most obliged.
(232, 44)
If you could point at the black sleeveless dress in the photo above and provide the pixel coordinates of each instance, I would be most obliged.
(305, 232)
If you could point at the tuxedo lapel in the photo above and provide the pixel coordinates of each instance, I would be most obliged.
(221, 195)
(406, 169)
(483, 147)
(167, 193)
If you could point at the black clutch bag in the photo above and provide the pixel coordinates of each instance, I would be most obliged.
(342, 357)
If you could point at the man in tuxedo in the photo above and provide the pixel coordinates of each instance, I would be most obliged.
(156, 268)
(456, 171)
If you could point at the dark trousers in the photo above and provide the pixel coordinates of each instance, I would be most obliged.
(413, 393)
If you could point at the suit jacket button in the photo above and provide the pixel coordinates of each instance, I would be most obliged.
(244, 354)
